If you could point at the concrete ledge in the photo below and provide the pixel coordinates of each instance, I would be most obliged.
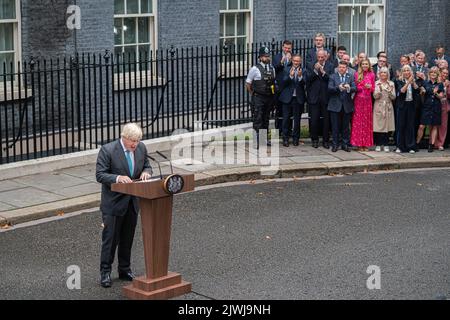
(48, 164)
(52, 209)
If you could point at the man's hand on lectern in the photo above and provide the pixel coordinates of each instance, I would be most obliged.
(124, 179)
(145, 176)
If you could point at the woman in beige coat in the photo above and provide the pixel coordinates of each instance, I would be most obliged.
(383, 111)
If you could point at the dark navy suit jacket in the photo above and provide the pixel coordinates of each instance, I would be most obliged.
(288, 86)
(317, 85)
(341, 99)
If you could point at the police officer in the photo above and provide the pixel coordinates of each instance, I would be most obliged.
(260, 84)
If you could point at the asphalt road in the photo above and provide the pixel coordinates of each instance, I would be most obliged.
(303, 239)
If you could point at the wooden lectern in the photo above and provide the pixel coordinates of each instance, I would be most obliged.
(156, 217)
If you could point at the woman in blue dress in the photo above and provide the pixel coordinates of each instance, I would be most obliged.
(433, 92)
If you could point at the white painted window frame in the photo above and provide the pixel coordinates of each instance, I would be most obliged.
(382, 41)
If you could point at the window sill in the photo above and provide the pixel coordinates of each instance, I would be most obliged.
(15, 95)
(135, 81)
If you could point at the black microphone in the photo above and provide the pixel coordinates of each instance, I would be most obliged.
(159, 166)
(164, 157)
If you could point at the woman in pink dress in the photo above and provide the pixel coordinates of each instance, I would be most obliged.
(362, 123)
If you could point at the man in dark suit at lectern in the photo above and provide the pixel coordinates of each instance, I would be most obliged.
(121, 161)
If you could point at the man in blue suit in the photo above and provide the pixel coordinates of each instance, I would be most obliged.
(280, 61)
(440, 55)
(293, 99)
(317, 90)
(341, 86)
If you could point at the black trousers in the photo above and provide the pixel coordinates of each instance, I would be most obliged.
(340, 124)
(381, 138)
(406, 132)
(118, 231)
(263, 105)
(295, 109)
(316, 111)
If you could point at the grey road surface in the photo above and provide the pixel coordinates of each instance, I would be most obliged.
(297, 239)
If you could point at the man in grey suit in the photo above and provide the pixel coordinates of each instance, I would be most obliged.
(121, 161)
(341, 86)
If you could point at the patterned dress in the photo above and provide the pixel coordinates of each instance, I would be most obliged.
(362, 123)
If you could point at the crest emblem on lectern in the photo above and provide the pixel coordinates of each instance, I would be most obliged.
(174, 184)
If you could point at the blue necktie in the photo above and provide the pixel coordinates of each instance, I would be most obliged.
(130, 162)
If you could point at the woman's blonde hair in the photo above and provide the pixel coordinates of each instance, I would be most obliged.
(435, 70)
(360, 69)
(406, 67)
(383, 70)
(131, 131)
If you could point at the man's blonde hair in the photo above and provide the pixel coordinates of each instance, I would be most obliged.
(131, 131)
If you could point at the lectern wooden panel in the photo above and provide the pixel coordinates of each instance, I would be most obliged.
(156, 217)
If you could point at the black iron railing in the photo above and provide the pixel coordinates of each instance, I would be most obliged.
(58, 106)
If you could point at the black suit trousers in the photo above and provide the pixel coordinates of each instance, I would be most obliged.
(118, 231)
(316, 111)
(294, 109)
(340, 124)
(263, 105)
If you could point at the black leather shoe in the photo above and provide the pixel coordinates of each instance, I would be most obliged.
(128, 276)
(430, 148)
(334, 149)
(286, 143)
(105, 280)
(326, 145)
(296, 143)
(315, 144)
(346, 148)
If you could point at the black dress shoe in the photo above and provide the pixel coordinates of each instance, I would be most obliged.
(105, 279)
(286, 143)
(296, 143)
(334, 149)
(128, 276)
(430, 148)
(326, 145)
(346, 148)
(315, 144)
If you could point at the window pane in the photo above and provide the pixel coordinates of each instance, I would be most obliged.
(119, 6)
(344, 40)
(376, 1)
(118, 51)
(132, 6)
(359, 43)
(241, 42)
(373, 44)
(241, 24)
(7, 9)
(144, 31)
(146, 6)
(361, 1)
(233, 4)
(230, 30)
(223, 4)
(222, 23)
(359, 18)
(345, 1)
(375, 17)
(144, 51)
(129, 26)
(7, 58)
(6, 36)
(244, 4)
(230, 42)
(345, 18)
(118, 31)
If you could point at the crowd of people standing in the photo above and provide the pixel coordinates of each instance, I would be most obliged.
(364, 105)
